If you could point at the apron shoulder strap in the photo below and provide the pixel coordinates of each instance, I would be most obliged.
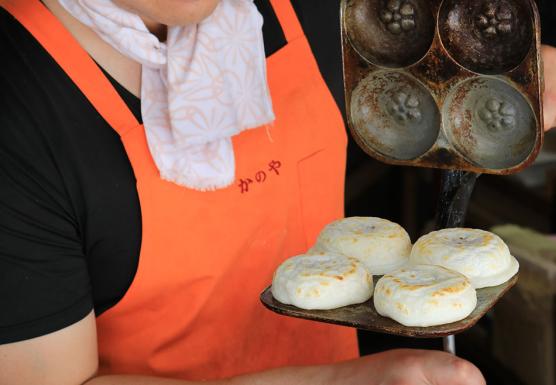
(288, 19)
(74, 60)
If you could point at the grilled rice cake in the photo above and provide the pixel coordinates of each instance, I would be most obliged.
(381, 245)
(481, 256)
(424, 295)
(326, 281)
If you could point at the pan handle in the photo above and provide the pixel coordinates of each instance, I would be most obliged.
(456, 189)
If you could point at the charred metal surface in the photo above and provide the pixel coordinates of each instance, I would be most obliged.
(479, 123)
(365, 317)
(390, 33)
(487, 36)
(436, 69)
(442, 158)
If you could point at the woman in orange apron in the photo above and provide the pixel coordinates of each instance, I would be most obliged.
(191, 311)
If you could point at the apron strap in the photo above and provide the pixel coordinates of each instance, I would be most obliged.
(74, 60)
(288, 19)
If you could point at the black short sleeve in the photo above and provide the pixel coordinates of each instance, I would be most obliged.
(44, 282)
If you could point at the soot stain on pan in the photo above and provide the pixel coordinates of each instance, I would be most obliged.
(436, 68)
(488, 36)
(390, 33)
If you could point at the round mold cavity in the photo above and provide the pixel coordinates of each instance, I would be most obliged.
(486, 36)
(390, 33)
(394, 115)
(490, 123)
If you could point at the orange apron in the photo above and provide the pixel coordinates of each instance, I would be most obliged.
(193, 309)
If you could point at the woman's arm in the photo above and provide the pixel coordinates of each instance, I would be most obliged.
(69, 357)
(66, 357)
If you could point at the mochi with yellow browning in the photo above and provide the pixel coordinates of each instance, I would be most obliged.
(326, 281)
(424, 295)
(481, 256)
(382, 246)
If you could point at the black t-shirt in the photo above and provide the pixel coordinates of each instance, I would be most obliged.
(70, 218)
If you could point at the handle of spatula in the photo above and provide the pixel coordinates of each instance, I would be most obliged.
(449, 343)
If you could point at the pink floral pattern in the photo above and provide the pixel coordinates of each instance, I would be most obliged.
(206, 83)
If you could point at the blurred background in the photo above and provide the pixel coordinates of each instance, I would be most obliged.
(515, 344)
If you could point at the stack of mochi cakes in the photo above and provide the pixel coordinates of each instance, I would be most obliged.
(431, 283)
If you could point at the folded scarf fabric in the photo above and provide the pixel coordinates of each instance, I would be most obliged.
(206, 83)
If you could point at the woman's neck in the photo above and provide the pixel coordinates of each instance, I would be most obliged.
(157, 29)
(125, 70)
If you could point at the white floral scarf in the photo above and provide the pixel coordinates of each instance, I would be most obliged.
(206, 83)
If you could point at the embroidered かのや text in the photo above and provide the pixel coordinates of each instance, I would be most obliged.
(260, 176)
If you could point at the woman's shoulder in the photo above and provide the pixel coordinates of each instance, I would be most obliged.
(19, 48)
(26, 77)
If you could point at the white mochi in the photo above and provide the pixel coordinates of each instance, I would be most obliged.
(326, 281)
(381, 245)
(481, 256)
(424, 295)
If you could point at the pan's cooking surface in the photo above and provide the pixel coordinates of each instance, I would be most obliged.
(395, 34)
(488, 37)
(490, 123)
(395, 114)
